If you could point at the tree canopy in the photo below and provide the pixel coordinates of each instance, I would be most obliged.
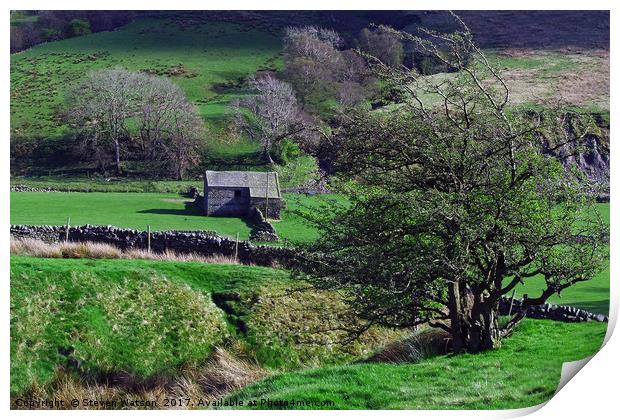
(454, 201)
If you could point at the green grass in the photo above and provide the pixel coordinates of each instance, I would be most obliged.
(161, 211)
(138, 317)
(206, 278)
(65, 311)
(592, 295)
(524, 372)
(128, 210)
(212, 53)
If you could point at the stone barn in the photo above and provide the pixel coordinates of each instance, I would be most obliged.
(236, 193)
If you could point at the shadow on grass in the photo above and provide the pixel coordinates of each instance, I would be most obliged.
(595, 306)
(191, 209)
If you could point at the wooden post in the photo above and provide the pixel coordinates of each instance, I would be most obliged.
(67, 229)
(267, 198)
(237, 247)
(285, 242)
(512, 299)
(148, 238)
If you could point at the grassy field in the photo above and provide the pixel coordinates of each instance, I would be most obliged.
(577, 78)
(161, 211)
(75, 320)
(592, 295)
(524, 372)
(199, 56)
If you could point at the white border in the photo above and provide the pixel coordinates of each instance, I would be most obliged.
(591, 394)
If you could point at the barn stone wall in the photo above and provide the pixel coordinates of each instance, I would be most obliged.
(274, 206)
(221, 201)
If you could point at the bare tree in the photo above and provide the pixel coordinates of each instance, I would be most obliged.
(271, 115)
(319, 44)
(314, 63)
(166, 129)
(383, 45)
(170, 128)
(100, 106)
(184, 132)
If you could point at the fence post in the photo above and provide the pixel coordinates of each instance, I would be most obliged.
(267, 198)
(512, 299)
(67, 229)
(148, 238)
(237, 247)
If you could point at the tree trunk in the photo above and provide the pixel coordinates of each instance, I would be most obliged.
(117, 157)
(474, 325)
(268, 157)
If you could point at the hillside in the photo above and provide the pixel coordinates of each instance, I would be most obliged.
(206, 59)
(198, 57)
(209, 54)
(63, 345)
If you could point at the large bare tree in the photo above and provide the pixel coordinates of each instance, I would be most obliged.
(120, 110)
(100, 106)
(170, 128)
(271, 114)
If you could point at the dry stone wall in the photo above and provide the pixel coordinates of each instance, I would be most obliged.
(207, 243)
(198, 242)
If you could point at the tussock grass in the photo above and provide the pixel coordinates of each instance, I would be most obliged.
(289, 329)
(424, 343)
(34, 247)
(222, 373)
(97, 250)
(168, 255)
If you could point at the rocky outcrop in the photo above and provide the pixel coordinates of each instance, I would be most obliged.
(591, 157)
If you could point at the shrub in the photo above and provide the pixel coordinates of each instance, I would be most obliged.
(78, 27)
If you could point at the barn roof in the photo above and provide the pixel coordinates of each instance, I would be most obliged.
(255, 181)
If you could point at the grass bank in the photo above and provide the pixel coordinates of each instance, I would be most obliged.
(71, 316)
(524, 372)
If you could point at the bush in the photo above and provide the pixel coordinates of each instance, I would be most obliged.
(79, 27)
(298, 171)
(286, 151)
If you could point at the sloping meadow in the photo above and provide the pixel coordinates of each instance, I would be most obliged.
(134, 323)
